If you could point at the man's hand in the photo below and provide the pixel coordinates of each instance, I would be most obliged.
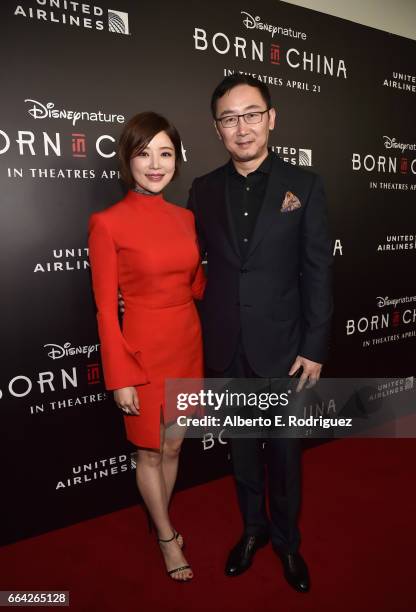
(310, 374)
(121, 302)
(127, 400)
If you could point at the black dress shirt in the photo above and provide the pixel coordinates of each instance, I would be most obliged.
(246, 194)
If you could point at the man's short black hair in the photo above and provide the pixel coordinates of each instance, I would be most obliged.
(232, 81)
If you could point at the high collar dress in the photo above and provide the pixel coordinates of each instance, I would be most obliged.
(147, 248)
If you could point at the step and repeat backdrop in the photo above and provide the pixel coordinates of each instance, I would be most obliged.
(72, 73)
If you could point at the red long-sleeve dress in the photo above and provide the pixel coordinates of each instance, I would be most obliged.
(148, 248)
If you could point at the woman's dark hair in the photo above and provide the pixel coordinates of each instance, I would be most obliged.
(232, 81)
(137, 134)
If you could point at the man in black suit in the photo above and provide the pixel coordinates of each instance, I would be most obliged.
(267, 307)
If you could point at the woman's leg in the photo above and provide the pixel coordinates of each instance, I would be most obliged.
(171, 444)
(151, 484)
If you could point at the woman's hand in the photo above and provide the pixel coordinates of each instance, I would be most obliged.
(127, 400)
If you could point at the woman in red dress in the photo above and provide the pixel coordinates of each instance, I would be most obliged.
(147, 248)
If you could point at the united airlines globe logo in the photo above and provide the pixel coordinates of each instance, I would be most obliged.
(78, 14)
(118, 22)
(305, 157)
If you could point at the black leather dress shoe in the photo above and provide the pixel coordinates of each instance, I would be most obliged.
(241, 556)
(295, 571)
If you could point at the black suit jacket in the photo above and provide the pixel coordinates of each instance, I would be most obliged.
(279, 295)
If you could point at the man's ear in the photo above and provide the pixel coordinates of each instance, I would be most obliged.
(217, 130)
(272, 118)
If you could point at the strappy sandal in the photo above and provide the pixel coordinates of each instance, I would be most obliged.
(176, 569)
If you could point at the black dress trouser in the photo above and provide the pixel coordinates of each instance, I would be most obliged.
(282, 456)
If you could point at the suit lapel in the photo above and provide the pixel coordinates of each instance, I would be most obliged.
(223, 215)
(269, 212)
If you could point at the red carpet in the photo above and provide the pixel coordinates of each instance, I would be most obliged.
(358, 538)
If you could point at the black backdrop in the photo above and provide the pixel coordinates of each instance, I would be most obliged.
(345, 97)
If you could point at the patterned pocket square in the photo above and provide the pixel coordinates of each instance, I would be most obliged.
(290, 202)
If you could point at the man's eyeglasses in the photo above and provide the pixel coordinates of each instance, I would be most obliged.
(231, 120)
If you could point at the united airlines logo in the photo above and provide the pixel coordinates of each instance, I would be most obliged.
(294, 155)
(74, 14)
(118, 22)
(305, 157)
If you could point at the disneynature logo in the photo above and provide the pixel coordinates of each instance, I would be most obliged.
(58, 351)
(391, 143)
(256, 23)
(383, 302)
(38, 110)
